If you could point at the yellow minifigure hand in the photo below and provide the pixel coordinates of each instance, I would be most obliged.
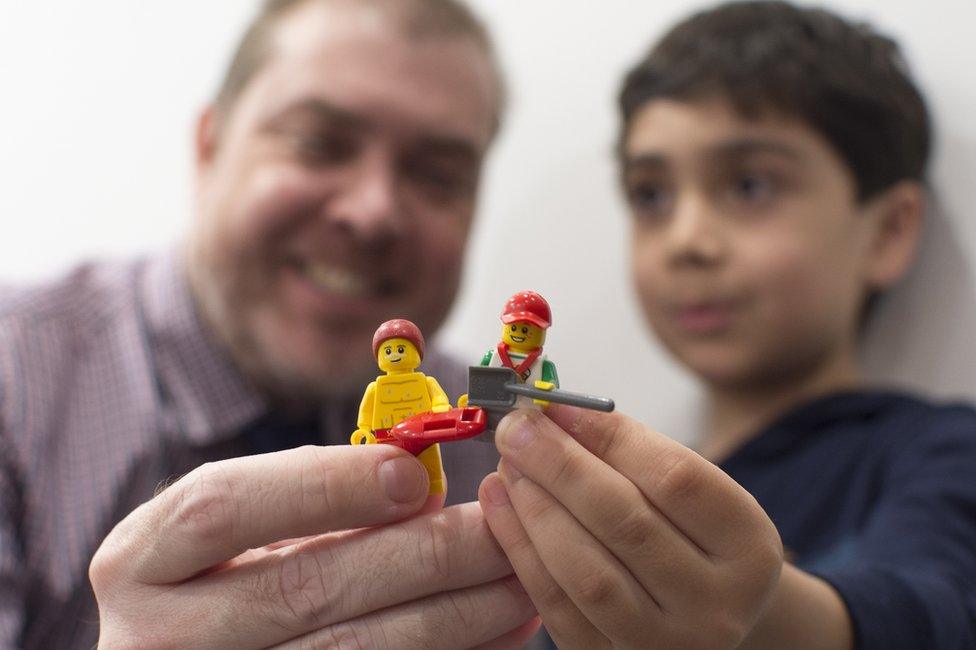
(543, 385)
(362, 437)
(463, 401)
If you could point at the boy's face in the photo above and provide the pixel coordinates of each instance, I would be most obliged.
(751, 255)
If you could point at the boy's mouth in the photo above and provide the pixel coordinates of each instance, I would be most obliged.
(705, 317)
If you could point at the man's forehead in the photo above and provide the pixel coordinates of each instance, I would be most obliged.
(355, 60)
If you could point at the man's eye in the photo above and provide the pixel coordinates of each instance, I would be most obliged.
(323, 148)
(442, 182)
(514, 328)
(525, 330)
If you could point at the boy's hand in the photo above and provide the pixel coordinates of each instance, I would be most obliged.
(625, 538)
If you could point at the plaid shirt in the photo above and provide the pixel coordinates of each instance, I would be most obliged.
(108, 386)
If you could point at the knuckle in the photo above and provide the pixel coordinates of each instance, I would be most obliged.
(342, 636)
(438, 546)
(306, 590)
(104, 568)
(632, 531)
(553, 598)
(323, 485)
(566, 468)
(680, 478)
(203, 509)
(595, 589)
(441, 625)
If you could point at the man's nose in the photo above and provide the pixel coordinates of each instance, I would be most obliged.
(696, 234)
(367, 206)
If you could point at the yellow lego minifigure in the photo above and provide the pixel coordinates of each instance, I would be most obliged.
(401, 393)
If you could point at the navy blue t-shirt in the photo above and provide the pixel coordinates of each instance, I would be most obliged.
(876, 493)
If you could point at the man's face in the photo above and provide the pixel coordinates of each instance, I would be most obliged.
(338, 193)
(751, 254)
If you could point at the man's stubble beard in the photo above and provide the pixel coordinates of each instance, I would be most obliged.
(228, 299)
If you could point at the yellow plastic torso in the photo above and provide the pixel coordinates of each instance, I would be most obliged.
(398, 397)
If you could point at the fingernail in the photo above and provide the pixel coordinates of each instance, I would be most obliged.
(516, 431)
(496, 492)
(402, 480)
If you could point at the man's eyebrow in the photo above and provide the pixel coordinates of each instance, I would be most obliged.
(450, 146)
(320, 110)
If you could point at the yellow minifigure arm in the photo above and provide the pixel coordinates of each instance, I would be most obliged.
(438, 398)
(363, 433)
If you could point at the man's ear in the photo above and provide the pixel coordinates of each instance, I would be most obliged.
(206, 139)
(898, 213)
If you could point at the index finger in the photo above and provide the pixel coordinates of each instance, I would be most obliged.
(701, 500)
(222, 509)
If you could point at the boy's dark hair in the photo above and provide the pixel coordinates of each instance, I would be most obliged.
(846, 81)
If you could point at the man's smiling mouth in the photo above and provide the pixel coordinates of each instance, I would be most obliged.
(518, 339)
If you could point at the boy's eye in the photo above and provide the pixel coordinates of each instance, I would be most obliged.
(649, 200)
(753, 188)
(400, 349)
(389, 351)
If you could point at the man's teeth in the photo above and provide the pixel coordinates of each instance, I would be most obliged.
(339, 281)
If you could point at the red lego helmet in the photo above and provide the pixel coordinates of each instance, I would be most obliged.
(527, 306)
(398, 328)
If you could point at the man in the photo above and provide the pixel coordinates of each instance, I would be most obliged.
(343, 150)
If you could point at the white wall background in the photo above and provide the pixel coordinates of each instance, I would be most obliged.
(97, 102)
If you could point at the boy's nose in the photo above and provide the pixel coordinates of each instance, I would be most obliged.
(367, 207)
(695, 235)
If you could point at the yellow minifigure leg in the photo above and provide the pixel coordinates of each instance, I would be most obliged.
(431, 458)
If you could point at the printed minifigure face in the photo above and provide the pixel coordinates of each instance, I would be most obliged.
(397, 355)
(751, 254)
(523, 336)
(338, 192)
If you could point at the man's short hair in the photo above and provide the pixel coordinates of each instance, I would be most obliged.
(845, 80)
(416, 18)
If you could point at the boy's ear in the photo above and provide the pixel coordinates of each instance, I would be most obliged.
(898, 213)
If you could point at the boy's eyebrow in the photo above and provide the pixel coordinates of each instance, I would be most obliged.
(649, 161)
(747, 146)
(731, 149)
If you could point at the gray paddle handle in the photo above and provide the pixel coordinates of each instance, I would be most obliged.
(563, 397)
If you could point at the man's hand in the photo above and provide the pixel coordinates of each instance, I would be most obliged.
(178, 571)
(625, 538)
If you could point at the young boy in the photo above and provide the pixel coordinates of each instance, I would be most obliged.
(773, 160)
